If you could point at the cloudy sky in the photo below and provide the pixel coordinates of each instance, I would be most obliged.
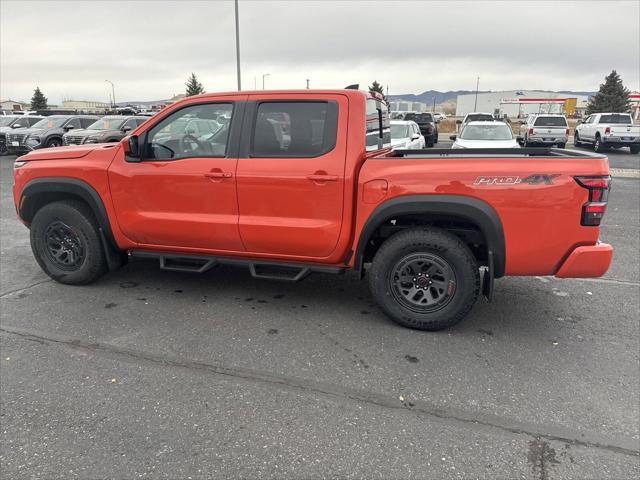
(148, 48)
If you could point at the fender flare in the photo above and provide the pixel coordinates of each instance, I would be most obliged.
(475, 211)
(73, 186)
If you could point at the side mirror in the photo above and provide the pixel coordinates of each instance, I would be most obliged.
(131, 148)
(16, 125)
(458, 122)
(580, 122)
(415, 136)
(127, 128)
(452, 137)
(68, 127)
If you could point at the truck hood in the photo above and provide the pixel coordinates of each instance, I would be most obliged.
(64, 153)
(461, 143)
(33, 131)
(86, 132)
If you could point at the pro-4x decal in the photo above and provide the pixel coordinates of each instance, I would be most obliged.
(535, 179)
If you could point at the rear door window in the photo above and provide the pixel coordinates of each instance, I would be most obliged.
(74, 122)
(377, 121)
(294, 129)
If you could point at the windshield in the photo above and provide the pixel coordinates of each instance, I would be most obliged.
(6, 121)
(51, 122)
(497, 131)
(479, 117)
(550, 122)
(616, 118)
(399, 131)
(107, 123)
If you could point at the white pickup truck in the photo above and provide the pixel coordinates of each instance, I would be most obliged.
(608, 130)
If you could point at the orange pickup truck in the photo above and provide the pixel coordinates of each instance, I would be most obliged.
(293, 182)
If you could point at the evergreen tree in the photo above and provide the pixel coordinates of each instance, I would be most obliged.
(376, 87)
(612, 96)
(38, 101)
(194, 87)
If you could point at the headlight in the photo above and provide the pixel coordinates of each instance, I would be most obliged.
(91, 140)
(19, 163)
(33, 141)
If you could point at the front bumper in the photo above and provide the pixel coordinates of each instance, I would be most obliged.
(587, 262)
(19, 150)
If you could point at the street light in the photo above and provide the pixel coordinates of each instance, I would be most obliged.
(113, 92)
(238, 46)
(475, 104)
(265, 75)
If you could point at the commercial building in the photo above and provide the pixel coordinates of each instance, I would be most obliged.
(86, 106)
(519, 103)
(404, 106)
(13, 106)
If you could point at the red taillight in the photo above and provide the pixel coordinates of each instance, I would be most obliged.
(531, 131)
(429, 128)
(593, 210)
(607, 130)
(566, 132)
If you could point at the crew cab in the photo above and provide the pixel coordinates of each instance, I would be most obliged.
(46, 133)
(608, 130)
(107, 129)
(294, 182)
(545, 129)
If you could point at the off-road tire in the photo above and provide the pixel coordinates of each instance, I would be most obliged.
(430, 242)
(77, 218)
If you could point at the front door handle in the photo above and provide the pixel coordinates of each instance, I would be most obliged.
(322, 178)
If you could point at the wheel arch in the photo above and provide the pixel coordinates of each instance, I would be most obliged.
(42, 191)
(454, 208)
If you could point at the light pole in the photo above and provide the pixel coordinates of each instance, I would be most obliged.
(263, 76)
(113, 92)
(238, 46)
(307, 84)
(475, 104)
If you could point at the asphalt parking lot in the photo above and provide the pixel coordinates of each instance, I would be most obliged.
(158, 374)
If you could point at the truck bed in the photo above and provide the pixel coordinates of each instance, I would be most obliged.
(491, 152)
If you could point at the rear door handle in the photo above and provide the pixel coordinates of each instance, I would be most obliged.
(218, 175)
(322, 178)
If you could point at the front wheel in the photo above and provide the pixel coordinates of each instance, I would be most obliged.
(54, 142)
(635, 149)
(576, 139)
(426, 279)
(66, 243)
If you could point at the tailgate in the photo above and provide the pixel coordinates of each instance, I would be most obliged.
(625, 130)
(552, 132)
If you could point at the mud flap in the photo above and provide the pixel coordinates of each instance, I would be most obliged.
(487, 278)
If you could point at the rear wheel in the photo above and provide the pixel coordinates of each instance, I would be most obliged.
(576, 139)
(430, 143)
(635, 149)
(66, 243)
(54, 142)
(598, 146)
(426, 279)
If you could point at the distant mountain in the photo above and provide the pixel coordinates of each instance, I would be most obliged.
(440, 97)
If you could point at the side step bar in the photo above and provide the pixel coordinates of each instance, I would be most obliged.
(180, 262)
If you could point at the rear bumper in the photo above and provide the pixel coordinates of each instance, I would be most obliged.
(587, 262)
(622, 140)
(547, 140)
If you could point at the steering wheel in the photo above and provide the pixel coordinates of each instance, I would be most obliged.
(187, 142)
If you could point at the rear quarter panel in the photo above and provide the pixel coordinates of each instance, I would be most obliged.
(541, 222)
